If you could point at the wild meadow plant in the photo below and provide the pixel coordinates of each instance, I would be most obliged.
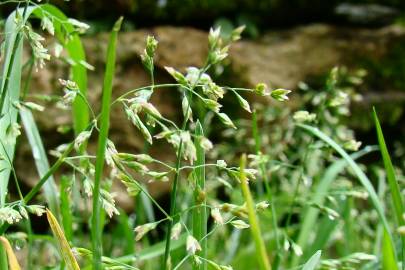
(292, 195)
(195, 87)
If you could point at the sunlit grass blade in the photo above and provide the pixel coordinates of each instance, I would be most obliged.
(321, 190)
(363, 180)
(312, 263)
(65, 250)
(200, 212)
(96, 222)
(392, 181)
(261, 252)
(41, 160)
(12, 259)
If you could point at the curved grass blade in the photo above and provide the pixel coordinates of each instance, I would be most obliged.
(41, 160)
(313, 261)
(318, 197)
(363, 180)
(12, 259)
(96, 222)
(65, 250)
(262, 257)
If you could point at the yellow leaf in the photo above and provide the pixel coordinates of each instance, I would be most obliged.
(12, 260)
(64, 246)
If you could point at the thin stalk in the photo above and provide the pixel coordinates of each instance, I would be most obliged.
(261, 253)
(255, 131)
(173, 193)
(200, 212)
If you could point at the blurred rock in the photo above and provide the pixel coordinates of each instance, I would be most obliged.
(366, 14)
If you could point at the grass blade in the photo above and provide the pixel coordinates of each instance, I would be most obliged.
(65, 207)
(392, 182)
(41, 160)
(313, 261)
(97, 227)
(311, 214)
(200, 213)
(9, 94)
(12, 259)
(363, 180)
(64, 246)
(389, 168)
(262, 257)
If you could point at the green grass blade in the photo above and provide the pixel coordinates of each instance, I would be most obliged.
(388, 261)
(10, 93)
(200, 213)
(313, 261)
(76, 52)
(96, 229)
(41, 160)
(66, 213)
(262, 256)
(392, 181)
(389, 168)
(363, 180)
(311, 213)
(126, 233)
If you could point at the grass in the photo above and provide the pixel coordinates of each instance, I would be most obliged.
(200, 213)
(280, 208)
(393, 184)
(388, 247)
(262, 256)
(96, 221)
